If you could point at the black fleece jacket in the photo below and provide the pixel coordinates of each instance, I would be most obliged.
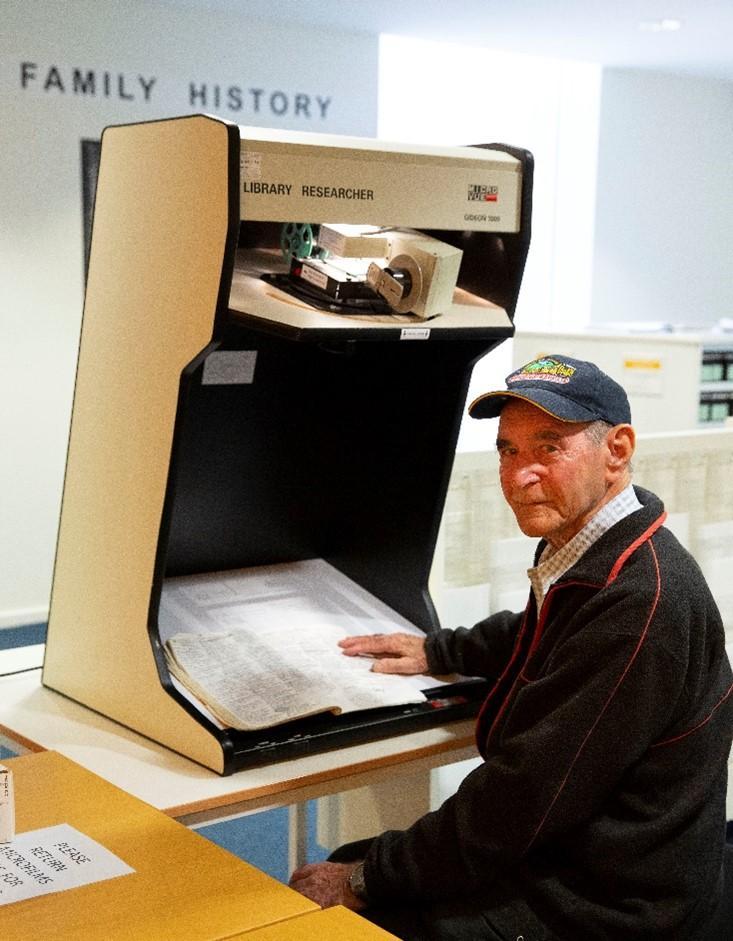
(599, 809)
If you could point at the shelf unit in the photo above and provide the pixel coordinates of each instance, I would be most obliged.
(716, 381)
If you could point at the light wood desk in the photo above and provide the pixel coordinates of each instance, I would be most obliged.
(20, 659)
(330, 924)
(33, 718)
(183, 887)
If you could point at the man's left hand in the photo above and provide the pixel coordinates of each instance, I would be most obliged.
(326, 884)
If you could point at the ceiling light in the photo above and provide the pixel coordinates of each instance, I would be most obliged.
(666, 25)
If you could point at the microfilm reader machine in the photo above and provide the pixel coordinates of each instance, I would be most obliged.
(278, 335)
(385, 231)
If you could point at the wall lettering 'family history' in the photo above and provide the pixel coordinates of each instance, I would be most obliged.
(62, 81)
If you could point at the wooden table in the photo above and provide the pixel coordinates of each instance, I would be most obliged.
(329, 924)
(33, 718)
(183, 888)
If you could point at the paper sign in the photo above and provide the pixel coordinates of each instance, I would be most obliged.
(643, 375)
(52, 860)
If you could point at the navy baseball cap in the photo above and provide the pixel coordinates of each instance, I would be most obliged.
(569, 389)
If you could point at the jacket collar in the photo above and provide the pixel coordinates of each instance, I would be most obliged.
(597, 564)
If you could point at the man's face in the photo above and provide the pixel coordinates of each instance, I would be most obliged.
(553, 475)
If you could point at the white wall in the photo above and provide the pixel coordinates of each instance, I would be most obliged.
(662, 211)
(144, 58)
(664, 207)
(446, 93)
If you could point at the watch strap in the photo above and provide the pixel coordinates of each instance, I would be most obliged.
(357, 883)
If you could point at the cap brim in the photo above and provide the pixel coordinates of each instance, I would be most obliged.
(490, 404)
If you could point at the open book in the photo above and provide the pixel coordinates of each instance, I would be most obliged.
(258, 647)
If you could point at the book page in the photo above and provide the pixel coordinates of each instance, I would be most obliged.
(259, 646)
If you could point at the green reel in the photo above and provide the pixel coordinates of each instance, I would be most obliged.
(297, 240)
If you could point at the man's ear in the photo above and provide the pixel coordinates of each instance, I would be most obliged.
(621, 441)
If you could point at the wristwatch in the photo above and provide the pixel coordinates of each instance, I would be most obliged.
(356, 882)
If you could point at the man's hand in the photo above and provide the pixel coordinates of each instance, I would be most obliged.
(395, 653)
(326, 884)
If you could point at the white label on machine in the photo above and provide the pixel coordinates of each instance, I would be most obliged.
(415, 333)
(251, 165)
(318, 278)
(229, 368)
(54, 859)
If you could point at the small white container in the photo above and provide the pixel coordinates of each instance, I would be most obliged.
(7, 805)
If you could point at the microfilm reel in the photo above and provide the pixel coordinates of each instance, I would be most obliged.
(410, 275)
(297, 240)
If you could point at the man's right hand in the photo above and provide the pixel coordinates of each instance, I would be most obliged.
(393, 653)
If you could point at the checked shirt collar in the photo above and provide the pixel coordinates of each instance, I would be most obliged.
(553, 563)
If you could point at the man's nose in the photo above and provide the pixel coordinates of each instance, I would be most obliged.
(526, 474)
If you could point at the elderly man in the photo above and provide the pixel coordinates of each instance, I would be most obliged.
(599, 809)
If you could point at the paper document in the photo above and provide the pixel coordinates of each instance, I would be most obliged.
(259, 646)
(51, 860)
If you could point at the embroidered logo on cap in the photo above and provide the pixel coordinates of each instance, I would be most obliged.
(546, 369)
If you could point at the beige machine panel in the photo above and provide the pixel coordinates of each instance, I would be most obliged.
(460, 188)
(160, 227)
